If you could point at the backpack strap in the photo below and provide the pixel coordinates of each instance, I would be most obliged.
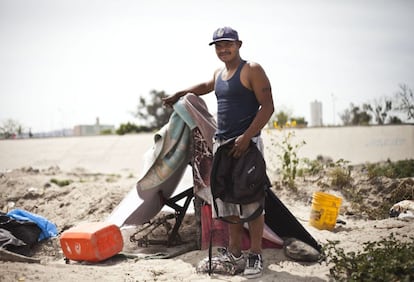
(251, 217)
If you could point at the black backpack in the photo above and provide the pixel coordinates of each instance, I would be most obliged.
(239, 180)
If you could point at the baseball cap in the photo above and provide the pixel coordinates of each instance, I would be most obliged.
(224, 34)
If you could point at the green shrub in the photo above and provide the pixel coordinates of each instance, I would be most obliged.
(289, 158)
(113, 178)
(340, 173)
(386, 260)
(131, 128)
(404, 168)
(61, 183)
(313, 167)
(398, 169)
(106, 132)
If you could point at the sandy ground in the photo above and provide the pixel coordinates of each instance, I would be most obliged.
(94, 191)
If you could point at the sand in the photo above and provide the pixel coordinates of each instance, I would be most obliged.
(94, 191)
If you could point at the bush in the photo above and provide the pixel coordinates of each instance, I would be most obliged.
(61, 183)
(313, 167)
(131, 128)
(398, 169)
(106, 132)
(386, 260)
(340, 173)
(289, 158)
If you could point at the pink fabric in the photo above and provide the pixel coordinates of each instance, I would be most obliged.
(198, 111)
(220, 233)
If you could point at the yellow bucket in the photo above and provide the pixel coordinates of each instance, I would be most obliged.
(325, 209)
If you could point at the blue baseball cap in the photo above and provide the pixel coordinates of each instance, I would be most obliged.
(224, 34)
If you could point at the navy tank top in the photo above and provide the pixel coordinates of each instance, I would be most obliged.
(236, 106)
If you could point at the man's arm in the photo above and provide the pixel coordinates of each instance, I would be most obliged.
(260, 85)
(198, 89)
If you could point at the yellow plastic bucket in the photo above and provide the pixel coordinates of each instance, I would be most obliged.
(325, 209)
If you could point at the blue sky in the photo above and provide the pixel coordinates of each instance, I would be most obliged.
(66, 62)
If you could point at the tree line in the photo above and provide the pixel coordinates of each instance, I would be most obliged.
(388, 110)
(152, 115)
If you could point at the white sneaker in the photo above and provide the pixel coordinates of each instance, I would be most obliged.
(254, 266)
(237, 264)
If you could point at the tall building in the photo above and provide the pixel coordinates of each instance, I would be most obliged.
(316, 113)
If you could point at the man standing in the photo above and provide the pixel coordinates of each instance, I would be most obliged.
(244, 106)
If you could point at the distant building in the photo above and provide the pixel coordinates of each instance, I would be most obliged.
(316, 113)
(96, 129)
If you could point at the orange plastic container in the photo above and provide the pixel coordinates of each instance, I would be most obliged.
(95, 241)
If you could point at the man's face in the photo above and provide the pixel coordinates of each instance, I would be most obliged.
(227, 50)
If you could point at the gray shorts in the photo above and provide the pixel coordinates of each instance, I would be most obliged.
(230, 209)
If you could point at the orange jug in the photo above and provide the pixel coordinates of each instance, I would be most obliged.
(92, 242)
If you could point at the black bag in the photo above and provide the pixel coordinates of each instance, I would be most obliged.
(26, 231)
(239, 180)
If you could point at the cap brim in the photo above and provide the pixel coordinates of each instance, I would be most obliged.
(222, 39)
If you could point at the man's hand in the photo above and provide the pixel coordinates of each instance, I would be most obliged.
(172, 99)
(241, 144)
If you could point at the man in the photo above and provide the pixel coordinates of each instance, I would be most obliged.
(245, 105)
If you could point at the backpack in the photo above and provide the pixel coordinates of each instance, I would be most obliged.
(239, 180)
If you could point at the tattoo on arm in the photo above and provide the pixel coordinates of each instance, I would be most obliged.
(266, 89)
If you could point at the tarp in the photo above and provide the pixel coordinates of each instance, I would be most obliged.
(48, 228)
(187, 138)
